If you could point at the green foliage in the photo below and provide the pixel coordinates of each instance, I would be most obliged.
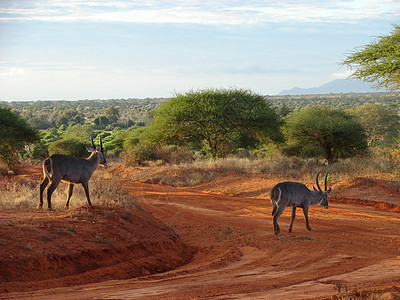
(40, 151)
(47, 114)
(112, 114)
(69, 117)
(324, 132)
(107, 140)
(380, 122)
(69, 147)
(50, 135)
(338, 101)
(222, 120)
(81, 133)
(125, 133)
(134, 136)
(378, 61)
(101, 121)
(39, 122)
(15, 133)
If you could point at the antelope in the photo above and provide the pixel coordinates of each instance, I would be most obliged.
(59, 167)
(296, 194)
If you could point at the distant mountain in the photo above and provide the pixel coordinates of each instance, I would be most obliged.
(335, 87)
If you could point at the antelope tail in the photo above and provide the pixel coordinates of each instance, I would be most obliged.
(274, 202)
(48, 168)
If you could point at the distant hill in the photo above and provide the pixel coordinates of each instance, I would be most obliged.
(337, 86)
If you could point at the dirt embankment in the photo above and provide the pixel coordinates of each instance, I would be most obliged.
(46, 249)
(217, 243)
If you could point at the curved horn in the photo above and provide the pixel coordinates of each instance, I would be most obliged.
(91, 138)
(102, 150)
(326, 177)
(319, 188)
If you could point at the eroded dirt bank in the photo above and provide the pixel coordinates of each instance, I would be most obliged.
(227, 227)
(49, 249)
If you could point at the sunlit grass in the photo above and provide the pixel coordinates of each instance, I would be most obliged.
(25, 196)
(202, 171)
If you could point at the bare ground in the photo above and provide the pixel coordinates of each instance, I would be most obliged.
(217, 242)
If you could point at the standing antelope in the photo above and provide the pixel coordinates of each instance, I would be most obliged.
(59, 167)
(296, 194)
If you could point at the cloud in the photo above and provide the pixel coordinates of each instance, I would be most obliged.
(12, 72)
(199, 12)
(342, 75)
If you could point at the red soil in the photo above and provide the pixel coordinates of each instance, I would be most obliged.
(219, 243)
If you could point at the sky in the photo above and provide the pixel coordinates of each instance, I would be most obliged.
(102, 49)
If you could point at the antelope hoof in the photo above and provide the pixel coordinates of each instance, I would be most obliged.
(309, 228)
(290, 229)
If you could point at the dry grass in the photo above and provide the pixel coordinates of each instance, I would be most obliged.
(110, 193)
(202, 171)
(25, 196)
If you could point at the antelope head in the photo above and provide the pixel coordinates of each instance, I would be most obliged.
(99, 151)
(324, 194)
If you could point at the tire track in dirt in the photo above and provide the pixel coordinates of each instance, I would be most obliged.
(236, 255)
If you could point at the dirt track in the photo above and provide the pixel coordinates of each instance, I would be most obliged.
(227, 228)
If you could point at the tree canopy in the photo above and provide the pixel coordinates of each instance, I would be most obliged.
(381, 124)
(14, 134)
(379, 61)
(222, 120)
(324, 132)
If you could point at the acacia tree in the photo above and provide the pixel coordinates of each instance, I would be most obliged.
(381, 124)
(15, 133)
(221, 119)
(378, 61)
(324, 132)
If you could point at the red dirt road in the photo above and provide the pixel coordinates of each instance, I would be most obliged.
(227, 249)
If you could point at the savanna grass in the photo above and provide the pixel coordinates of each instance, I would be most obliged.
(202, 171)
(25, 196)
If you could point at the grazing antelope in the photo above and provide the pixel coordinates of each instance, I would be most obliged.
(296, 194)
(59, 167)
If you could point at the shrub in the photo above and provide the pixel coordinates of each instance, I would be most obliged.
(40, 151)
(140, 155)
(68, 147)
(15, 133)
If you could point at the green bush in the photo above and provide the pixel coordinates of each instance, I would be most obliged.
(40, 151)
(69, 147)
(324, 132)
(220, 120)
(15, 133)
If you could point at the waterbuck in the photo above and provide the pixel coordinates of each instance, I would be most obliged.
(59, 167)
(296, 194)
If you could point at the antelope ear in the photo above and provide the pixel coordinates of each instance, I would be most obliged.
(315, 190)
(89, 149)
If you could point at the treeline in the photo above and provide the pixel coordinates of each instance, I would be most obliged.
(47, 114)
(215, 123)
(124, 113)
(339, 101)
(121, 113)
